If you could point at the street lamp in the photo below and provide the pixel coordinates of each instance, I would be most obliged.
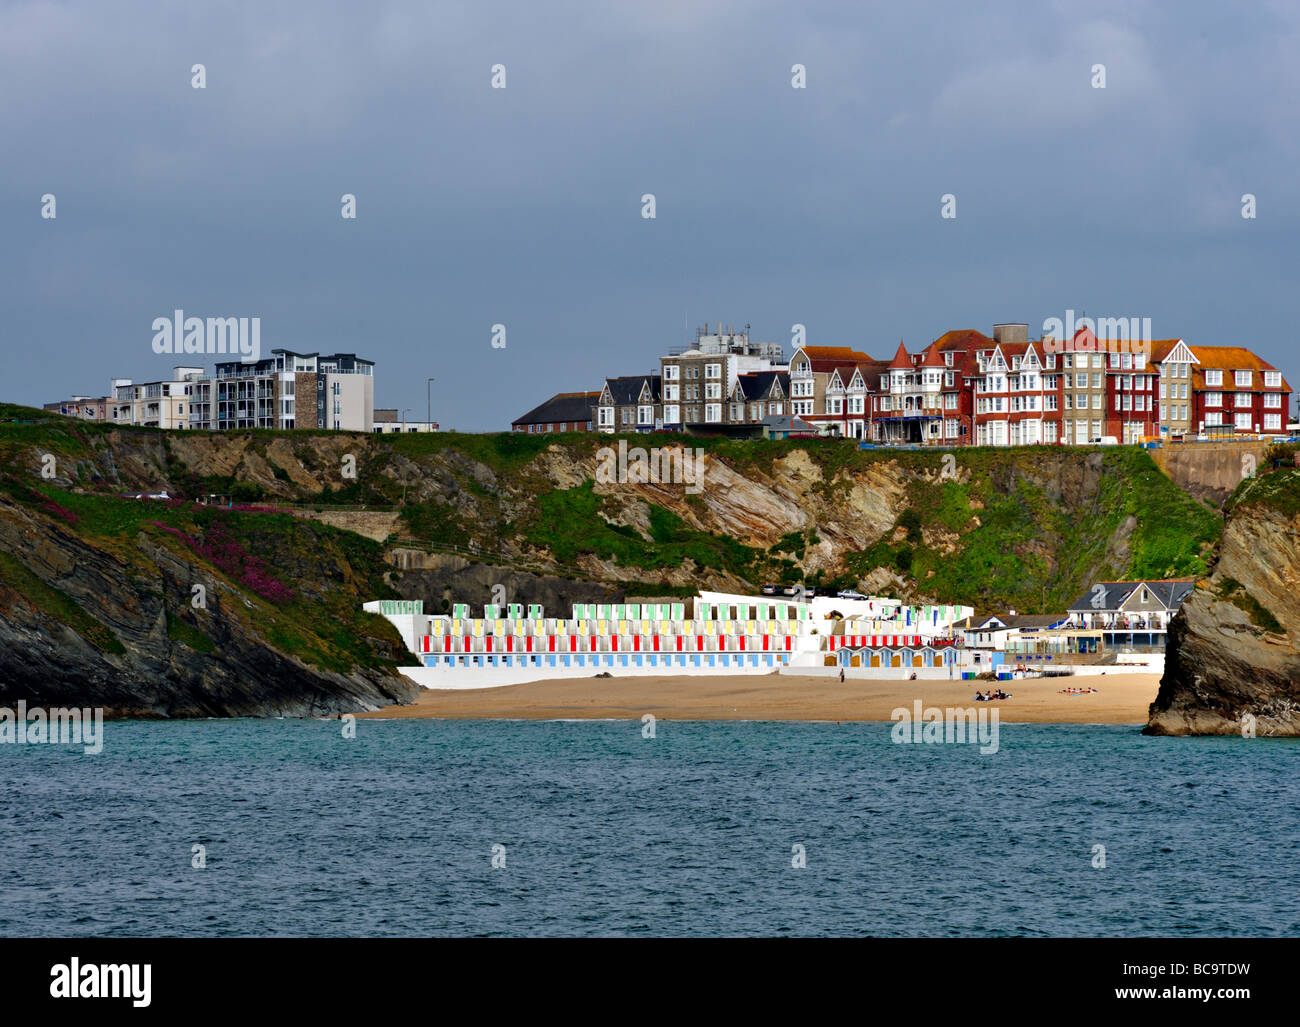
(430, 382)
(404, 413)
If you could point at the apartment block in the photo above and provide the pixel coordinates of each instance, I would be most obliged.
(699, 381)
(286, 390)
(160, 404)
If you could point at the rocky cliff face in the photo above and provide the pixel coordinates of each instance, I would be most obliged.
(94, 596)
(86, 623)
(1233, 660)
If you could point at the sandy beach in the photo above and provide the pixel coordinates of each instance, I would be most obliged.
(1119, 699)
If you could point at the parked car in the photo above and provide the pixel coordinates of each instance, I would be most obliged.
(770, 590)
(1103, 440)
(799, 591)
(848, 593)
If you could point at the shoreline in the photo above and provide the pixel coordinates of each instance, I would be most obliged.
(1119, 699)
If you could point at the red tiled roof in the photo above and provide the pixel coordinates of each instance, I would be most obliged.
(901, 361)
(827, 358)
(1229, 359)
(963, 339)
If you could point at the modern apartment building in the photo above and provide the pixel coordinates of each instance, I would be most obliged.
(160, 404)
(286, 390)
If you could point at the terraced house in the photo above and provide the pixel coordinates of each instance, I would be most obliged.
(758, 395)
(965, 388)
(631, 404)
(1222, 390)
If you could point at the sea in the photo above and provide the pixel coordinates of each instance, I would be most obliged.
(591, 828)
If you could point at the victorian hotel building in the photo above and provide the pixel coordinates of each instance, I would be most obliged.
(965, 388)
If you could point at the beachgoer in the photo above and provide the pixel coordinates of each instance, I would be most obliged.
(841, 675)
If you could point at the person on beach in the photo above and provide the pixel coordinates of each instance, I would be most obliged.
(841, 675)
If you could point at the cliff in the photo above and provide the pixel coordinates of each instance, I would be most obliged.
(96, 592)
(1233, 658)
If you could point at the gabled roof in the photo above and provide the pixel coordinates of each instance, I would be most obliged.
(1162, 348)
(626, 391)
(1170, 593)
(967, 339)
(759, 384)
(788, 422)
(827, 358)
(563, 406)
(932, 357)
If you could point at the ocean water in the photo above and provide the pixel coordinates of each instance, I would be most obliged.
(608, 833)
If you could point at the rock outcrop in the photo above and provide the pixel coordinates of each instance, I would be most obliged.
(88, 624)
(1233, 661)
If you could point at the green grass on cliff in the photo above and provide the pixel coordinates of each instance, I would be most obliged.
(1234, 592)
(58, 605)
(1030, 527)
(1019, 544)
(569, 523)
(1279, 491)
(330, 573)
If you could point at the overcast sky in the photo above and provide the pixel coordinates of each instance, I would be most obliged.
(522, 205)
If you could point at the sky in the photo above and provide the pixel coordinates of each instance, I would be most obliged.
(522, 206)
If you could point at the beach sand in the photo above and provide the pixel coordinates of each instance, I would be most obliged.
(1119, 699)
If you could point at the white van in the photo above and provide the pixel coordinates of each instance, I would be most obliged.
(1104, 440)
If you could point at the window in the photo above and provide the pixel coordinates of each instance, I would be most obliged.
(713, 390)
(1244, 399)
(671, 415)
(1272, 422)
(670, 373)
(712, 370)
(670, 392)
(713, 412)
(1272, 400)
(606, 417)
(1243, 421)
(1272, 379)
(1214, 378)
(1243, 379)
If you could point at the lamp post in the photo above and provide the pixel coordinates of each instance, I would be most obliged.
(429, 385)
(404, 413)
